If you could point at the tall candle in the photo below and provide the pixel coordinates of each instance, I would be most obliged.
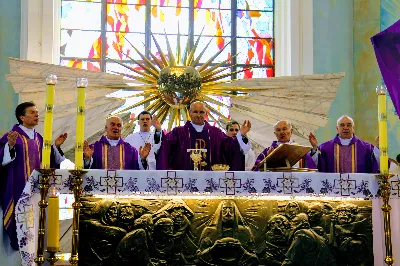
(51, 81)
(53, 222)
(383, 135)
(81, 84)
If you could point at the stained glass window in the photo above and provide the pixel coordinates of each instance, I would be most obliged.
(95, 34)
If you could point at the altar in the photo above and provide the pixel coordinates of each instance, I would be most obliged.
(197, 200)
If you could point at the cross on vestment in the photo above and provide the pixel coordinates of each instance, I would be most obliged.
(112, 181)
(287, 183)
(230, 183)
(345, 186)
(171, 183)
(26, 216)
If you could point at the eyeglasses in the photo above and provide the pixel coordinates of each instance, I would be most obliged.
(234, 129)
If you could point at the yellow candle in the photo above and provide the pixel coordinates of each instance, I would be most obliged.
(383, 136)
(53, 222)
(51, 81)
(81, 84)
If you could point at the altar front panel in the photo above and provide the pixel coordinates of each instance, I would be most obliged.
(246, 190)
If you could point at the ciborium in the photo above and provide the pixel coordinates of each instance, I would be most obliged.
(179, 85)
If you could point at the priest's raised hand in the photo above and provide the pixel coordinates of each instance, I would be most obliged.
(144, 151)
(245, 128)
(87, 150)
(60, 140)
(12, 139)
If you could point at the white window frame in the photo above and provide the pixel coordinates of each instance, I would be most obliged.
(40, 34)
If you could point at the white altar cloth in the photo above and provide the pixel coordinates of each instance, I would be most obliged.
(209, 184)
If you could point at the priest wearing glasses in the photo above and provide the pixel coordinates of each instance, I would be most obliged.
(199, 134)
(112, 152)
(145, 135)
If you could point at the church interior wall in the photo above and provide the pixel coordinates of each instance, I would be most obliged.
(341, 32)
(333, 52)
(10, 22)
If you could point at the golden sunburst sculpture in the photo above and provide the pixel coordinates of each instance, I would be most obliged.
(173, 81)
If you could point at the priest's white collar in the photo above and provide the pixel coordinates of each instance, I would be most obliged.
(289, 142)
(198, 128)
(29, 131)
(113, 142)
(345, 142)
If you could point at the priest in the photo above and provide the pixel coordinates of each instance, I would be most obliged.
(346, 153)
(283, 131)
(139, 139)
(249, 157)
(199, 134)
(112, 152)
(21, 153)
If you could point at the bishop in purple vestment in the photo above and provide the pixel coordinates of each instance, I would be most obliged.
(20, 153)
(199, 134)
(283, 131)
(112, 152)
(346, 153)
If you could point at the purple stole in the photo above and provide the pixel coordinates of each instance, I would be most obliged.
(305, 162)
(357, 157)
(120, 157)
(15, 174)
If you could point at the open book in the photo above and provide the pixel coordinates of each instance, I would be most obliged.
(284, 156)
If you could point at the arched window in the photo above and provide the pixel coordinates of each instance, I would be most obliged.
(95, 34)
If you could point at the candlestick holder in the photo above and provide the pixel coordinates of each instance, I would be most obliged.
(52, 259)
(77, 181)
(386, 208)
(44, 181)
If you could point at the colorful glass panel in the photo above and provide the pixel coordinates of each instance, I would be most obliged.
(265, 5)
(173, 41)
(174, 3)
(74, 13)
(81, 64)
(217, 44)
(255, 24)
(120, 45)
(80, 44)
(255, 51)
(168, 18)
(126, 18)
(214, 21)
(219, 4)
(112, 67)
(255, 72)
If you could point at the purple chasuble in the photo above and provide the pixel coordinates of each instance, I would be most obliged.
(15, 174)
(306, 162)
(222, 149)
(123, 156)
(357, 157)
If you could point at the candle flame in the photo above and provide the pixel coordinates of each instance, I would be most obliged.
(53, 192)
